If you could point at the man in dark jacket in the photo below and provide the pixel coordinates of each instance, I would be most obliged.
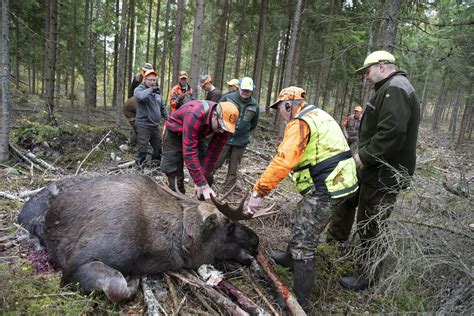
(150, 109)
(138, 79)
(247, 122)
(183, 142)
(386, 159)
(212, 93)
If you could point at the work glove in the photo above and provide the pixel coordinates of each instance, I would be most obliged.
(156, 90)
(254, 203)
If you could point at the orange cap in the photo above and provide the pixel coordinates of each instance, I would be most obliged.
(358, 108)
(289, 94)
(227, 116)
(149, 72)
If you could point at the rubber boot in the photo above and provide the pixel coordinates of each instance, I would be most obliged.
(282, 258)
(303, 279)
(356, 282)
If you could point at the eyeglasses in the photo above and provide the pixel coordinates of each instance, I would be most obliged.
(147, 79)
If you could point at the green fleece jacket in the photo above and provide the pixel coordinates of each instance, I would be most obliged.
(388, 133)
(249, 113)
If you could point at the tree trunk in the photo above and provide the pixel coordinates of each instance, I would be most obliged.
(17, 53)
(51, 53)
(72, 94)
(454, 114)
(164, 55)
(220, 51)
(104, 82)
(271, 77)
(116, 54)
(121, 63)
(178, 39)
(44, 70)
(131, 43)
(291, 53)
(150, 16)
(327, 87)
(196, 49)
(259, 59)
(389, 24)
(5, 95)
(242, 28)
(466, 122)
(438, 107)
(157, 27)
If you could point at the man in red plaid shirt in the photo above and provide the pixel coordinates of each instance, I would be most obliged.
(184, 142)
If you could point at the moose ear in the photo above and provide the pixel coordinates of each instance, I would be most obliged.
(210, 225)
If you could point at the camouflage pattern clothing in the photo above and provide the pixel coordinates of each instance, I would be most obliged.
(310, 218)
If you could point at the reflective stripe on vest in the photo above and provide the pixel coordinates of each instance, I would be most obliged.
(326, 165)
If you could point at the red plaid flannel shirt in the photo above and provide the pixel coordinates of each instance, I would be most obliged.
(193, 122)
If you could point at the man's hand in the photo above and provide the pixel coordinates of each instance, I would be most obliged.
(254, 203)
(156, 90)
(204, 191)
(359, 163)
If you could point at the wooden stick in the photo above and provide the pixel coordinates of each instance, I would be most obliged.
(152, 304)
(225, 303)
(10, 196)
(293, 305)
(18, 153)
(41, 162)
(90, 152)
(172, 291)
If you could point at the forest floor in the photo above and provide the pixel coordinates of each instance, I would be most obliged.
(431, 242)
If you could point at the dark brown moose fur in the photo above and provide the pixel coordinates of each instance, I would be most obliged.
(101, 229)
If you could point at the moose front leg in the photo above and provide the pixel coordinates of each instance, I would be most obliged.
(96, 276)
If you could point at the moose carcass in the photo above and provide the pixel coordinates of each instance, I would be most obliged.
(101, 229)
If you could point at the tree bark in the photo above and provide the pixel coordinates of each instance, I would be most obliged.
(242, 28)
(51, 53)
(157, 27)
(389, 24)
(164, 55)
(121, 63)
(259, 60)
(131, 42)
(5, 95)
(178, 39)
(454, 113)
(271, 77)
(466, 121)
(438, 107)
(116, 55)
(150, 16)
(196, 49)
(220, 51)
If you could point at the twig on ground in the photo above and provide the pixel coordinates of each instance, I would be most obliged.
(152, 304)
(90, 152)
(225, 303)
(11, 196)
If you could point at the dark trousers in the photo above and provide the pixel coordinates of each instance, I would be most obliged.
(374, 207)
(133, 139)
(234, 154)
(147, 136)
(172, 161)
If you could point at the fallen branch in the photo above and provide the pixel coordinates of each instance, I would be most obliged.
(225, 303)
(215, 279)
(123, 165)
(41, 162)
(174, 297)
(11, 196)
(152, 304)
(17, 152)
(293, 305)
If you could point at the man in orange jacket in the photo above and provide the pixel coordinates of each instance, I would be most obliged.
(181, 92)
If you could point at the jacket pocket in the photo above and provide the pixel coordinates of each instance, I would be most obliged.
(249, 114)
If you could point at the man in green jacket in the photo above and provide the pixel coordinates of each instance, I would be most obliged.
(248, 119)
(386, 159)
